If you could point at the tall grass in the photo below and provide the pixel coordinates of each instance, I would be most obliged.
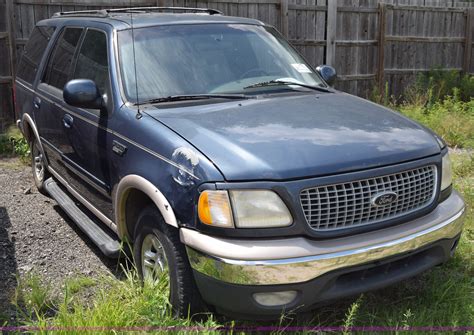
(441, 100)
(428, 88)
(115, 306)
(451, 118)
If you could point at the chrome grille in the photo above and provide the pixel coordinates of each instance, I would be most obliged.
(349, 204)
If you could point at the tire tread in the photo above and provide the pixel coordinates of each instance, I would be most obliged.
(188, 300)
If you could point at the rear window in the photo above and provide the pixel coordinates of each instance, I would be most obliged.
(33, 53)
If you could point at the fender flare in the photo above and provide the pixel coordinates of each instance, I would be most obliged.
(26, 119)
(124, 187)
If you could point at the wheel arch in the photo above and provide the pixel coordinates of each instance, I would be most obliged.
(136, 186)
(30, 131)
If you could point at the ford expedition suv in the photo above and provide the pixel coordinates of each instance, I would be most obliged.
(231, 165)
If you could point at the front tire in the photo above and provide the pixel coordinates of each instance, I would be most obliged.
(39, 166)
(157, 248)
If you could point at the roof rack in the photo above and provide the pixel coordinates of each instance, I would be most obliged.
(107, 12)
(95, 13)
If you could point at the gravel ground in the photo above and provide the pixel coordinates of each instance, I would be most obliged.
(37, 236)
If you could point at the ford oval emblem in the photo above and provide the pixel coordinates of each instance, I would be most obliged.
(384, 199)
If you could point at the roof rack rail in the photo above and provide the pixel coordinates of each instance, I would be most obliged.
(95, 12)
(106, 12)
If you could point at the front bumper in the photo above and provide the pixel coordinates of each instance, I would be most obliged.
(293, 263)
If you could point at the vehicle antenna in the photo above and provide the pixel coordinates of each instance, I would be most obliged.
(139, 114)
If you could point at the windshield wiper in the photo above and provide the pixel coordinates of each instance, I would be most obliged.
(172, 98)
(277, 82)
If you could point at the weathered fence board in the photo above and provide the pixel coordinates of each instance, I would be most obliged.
(6, 64)
(467, 62)
(420, 38)
(370, 42)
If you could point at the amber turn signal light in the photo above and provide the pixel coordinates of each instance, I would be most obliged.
(214, 209)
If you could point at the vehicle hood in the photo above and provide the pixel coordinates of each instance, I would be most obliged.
(305, 135)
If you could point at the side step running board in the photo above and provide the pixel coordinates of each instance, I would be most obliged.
(109, 245)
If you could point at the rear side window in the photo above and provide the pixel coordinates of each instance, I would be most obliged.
(92, 62)
(59, 66)
(33, 53)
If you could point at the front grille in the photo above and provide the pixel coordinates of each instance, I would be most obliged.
(349, 204)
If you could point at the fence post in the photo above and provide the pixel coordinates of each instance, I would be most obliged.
(469, 40)
(10, 25)
(381, 43)
(331, 33)
(11, 35)
(284, 17)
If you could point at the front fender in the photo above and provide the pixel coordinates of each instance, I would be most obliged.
(139, 183)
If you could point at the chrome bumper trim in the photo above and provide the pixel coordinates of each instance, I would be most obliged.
(301, 269)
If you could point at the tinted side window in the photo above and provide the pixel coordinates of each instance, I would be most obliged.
(59, 66)
(92, 62)
(34, 49)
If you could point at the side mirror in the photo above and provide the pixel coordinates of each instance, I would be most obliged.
(83, 93)
(328, 73)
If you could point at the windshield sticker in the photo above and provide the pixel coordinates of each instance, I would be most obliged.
(301, 68)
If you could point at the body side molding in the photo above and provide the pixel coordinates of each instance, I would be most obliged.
(139, 183)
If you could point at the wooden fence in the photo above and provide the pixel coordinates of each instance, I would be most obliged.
(370, 42)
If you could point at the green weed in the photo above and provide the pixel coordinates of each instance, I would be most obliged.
(382, 97)
(12, 143)
(33, 298)
(75, 285)
(452, 119)
(351, 315)
(438, 84)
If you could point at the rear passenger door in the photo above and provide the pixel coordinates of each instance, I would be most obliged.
(28, 68)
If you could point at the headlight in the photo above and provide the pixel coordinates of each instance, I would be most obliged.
(259, 209)
(251, 209)
(446, 173)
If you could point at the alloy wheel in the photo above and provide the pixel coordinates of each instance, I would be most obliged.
(154, 262)
(38, 164)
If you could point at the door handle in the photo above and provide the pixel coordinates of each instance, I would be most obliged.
(68, 120)
(37, 103)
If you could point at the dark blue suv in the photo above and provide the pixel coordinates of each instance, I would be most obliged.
(229, 163)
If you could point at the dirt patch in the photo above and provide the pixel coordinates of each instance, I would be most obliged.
(37, 236)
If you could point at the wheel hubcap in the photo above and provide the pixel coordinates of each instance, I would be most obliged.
(153, 261)
(39, 165)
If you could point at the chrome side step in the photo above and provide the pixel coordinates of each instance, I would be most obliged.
(108, 244)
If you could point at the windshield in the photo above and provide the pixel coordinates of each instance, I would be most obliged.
(208, 59)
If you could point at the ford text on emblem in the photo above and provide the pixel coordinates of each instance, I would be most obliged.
(384, 199)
